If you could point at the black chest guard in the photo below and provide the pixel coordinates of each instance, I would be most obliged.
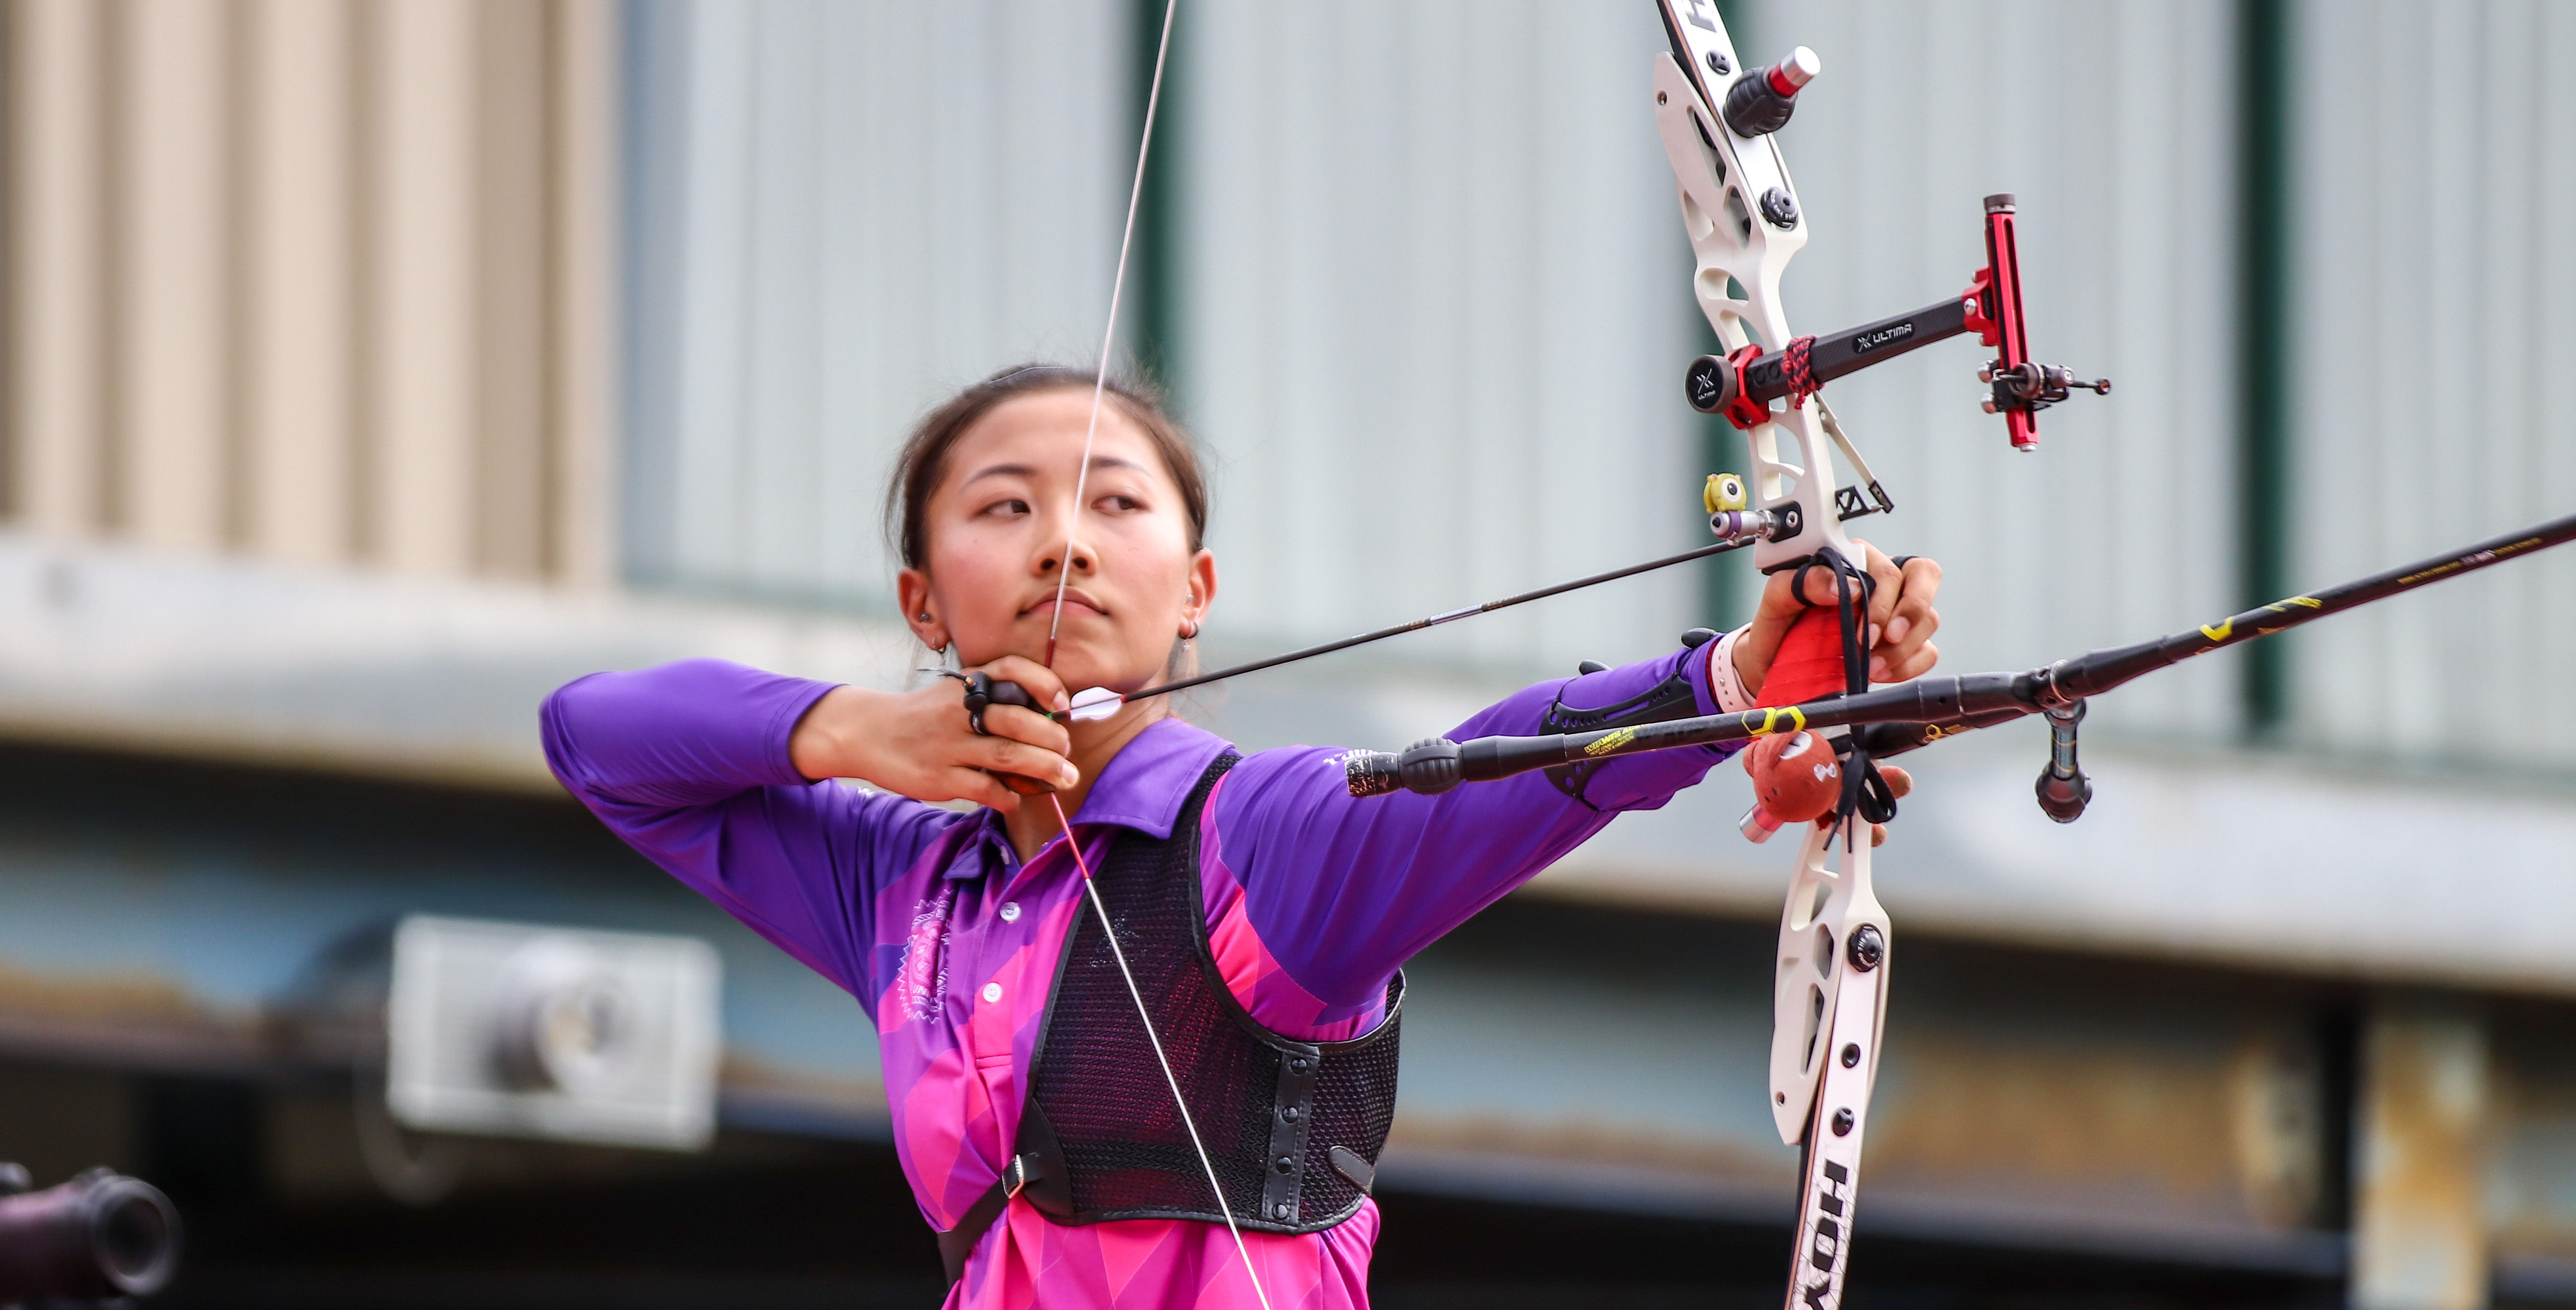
(1294, 1128)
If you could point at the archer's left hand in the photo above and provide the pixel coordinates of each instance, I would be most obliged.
(1901, 618)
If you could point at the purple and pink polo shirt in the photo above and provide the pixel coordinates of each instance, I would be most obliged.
(949, 940)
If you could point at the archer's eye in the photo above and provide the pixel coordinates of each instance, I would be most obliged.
(1121, 504)
(1006, 509)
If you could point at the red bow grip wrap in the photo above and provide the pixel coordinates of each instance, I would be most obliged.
(1809, 665)
(1810, 662)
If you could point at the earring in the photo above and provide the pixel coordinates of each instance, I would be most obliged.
(1189, 629)
(923, 616)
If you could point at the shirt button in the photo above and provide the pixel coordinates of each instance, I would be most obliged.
(992, 992)
(1010, 911)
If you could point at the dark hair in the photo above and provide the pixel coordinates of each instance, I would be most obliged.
(924, 458)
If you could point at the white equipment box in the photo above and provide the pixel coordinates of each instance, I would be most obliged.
(514, 1029)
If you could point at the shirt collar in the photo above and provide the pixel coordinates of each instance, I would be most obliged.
(1141, 787)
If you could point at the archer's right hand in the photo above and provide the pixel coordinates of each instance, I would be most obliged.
(921, 743)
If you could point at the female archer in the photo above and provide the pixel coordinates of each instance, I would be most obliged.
(1067, 1155)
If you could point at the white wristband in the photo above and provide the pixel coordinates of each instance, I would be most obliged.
(1723, 685)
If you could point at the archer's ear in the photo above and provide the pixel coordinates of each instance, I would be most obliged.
(912, 596)
(1202, 577)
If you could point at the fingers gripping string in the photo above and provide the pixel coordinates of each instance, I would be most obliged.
(1055, 624)
(1109, 929)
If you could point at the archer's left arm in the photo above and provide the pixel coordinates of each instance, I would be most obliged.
(1315, 898)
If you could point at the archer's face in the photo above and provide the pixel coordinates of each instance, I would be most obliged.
(997, 528)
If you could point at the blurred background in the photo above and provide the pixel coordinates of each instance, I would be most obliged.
(374, 366)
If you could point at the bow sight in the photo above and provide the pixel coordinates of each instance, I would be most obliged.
(1742, 384)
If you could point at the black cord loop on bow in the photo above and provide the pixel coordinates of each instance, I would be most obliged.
(1865, 791)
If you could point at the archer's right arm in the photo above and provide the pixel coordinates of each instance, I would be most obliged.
(689, 763)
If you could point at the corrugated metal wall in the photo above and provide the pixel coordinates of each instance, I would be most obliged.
(2113, 124)
(2435, 194)
(837, 213)
(1433, 310)
(322, 280)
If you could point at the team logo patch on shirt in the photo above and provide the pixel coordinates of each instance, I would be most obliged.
(922, 982)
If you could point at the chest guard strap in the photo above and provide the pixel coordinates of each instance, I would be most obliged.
(1294, 1128)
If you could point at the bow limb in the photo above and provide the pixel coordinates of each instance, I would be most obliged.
(1742, 215)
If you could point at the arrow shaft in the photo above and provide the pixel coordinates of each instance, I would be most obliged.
(1435, 620)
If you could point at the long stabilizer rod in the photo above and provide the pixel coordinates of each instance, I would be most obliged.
(1928, 709)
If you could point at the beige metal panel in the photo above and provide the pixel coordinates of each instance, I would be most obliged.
(326, 280)
(2436, 169)
(1434, 315)
(58, 316)
(2114, 128)
(582, 309)
(513, 121)
(173, 293)
(419, 512)
(300, 411)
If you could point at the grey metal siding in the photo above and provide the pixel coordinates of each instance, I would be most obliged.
(1433, 315)
(2111, 123)
(838, 213)
(2437, 177)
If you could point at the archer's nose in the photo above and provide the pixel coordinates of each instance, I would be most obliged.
(1083, 563)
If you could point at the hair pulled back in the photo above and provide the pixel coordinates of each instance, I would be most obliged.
(924, 458)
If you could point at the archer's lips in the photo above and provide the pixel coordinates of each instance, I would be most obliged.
(1074, 601)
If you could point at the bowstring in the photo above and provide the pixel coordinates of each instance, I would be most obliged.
(1055, 623)
(1189, 1123)
(1109, 336)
